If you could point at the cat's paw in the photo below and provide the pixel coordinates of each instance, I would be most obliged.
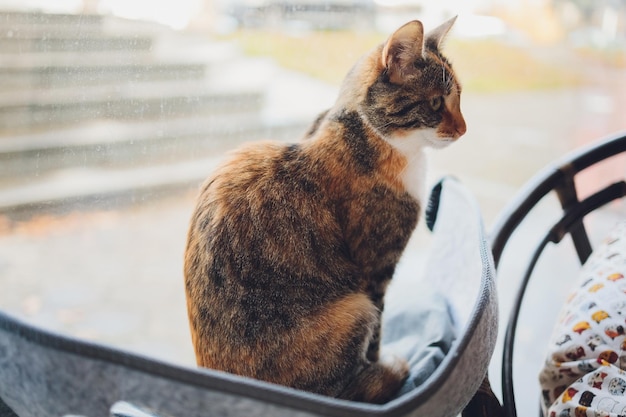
(379, 382)
(396, 365)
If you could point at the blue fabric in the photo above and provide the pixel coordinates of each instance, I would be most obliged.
(420, 329)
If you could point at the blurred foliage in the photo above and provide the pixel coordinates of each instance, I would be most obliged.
(482, 65)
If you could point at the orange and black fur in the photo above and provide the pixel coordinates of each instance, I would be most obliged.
(291, 247)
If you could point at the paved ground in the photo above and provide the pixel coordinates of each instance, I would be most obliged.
(115, 275)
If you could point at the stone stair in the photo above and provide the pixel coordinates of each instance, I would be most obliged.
(96, 109)
(20, 110)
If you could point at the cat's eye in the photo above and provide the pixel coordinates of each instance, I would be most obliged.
(436, 103)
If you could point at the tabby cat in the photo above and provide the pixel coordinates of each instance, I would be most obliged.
(291, 247)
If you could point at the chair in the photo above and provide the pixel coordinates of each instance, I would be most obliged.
(48, 374)
(559, 178)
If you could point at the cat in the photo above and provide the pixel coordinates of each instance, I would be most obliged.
(291, 246)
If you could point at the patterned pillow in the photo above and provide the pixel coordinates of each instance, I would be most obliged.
(584, 374)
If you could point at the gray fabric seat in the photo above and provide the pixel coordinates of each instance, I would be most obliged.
(47, 374)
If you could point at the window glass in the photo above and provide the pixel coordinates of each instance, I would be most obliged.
(114, 111)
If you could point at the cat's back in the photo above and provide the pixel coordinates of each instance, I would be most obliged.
(266, 224)
(263, 184)
(248, 168)
(264, 260)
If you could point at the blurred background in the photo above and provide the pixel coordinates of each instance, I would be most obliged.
(112, 112)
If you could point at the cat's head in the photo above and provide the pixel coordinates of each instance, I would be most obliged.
(407, 89)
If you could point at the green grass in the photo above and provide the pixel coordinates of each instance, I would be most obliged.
(482, 65)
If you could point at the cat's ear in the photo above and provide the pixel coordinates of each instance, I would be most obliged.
(403, 48)
(436, 37)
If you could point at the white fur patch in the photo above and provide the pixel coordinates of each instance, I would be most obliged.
(413, 148)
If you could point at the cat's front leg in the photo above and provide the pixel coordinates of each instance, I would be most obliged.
(373, 349)
(376, 294)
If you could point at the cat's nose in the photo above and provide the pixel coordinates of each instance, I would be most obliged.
(460, 127)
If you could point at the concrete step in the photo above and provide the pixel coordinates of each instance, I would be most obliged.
(16, 77)
(16, 24)
(75, 42)
(125, 122)
(168, 48)
(118, 144)
(96, 186)
(144, 141)
(171, 58)
(36, 19)
(133, 101)
(271, 92)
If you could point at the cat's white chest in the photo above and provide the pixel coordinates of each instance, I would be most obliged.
(414, 175)
(413, 148)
